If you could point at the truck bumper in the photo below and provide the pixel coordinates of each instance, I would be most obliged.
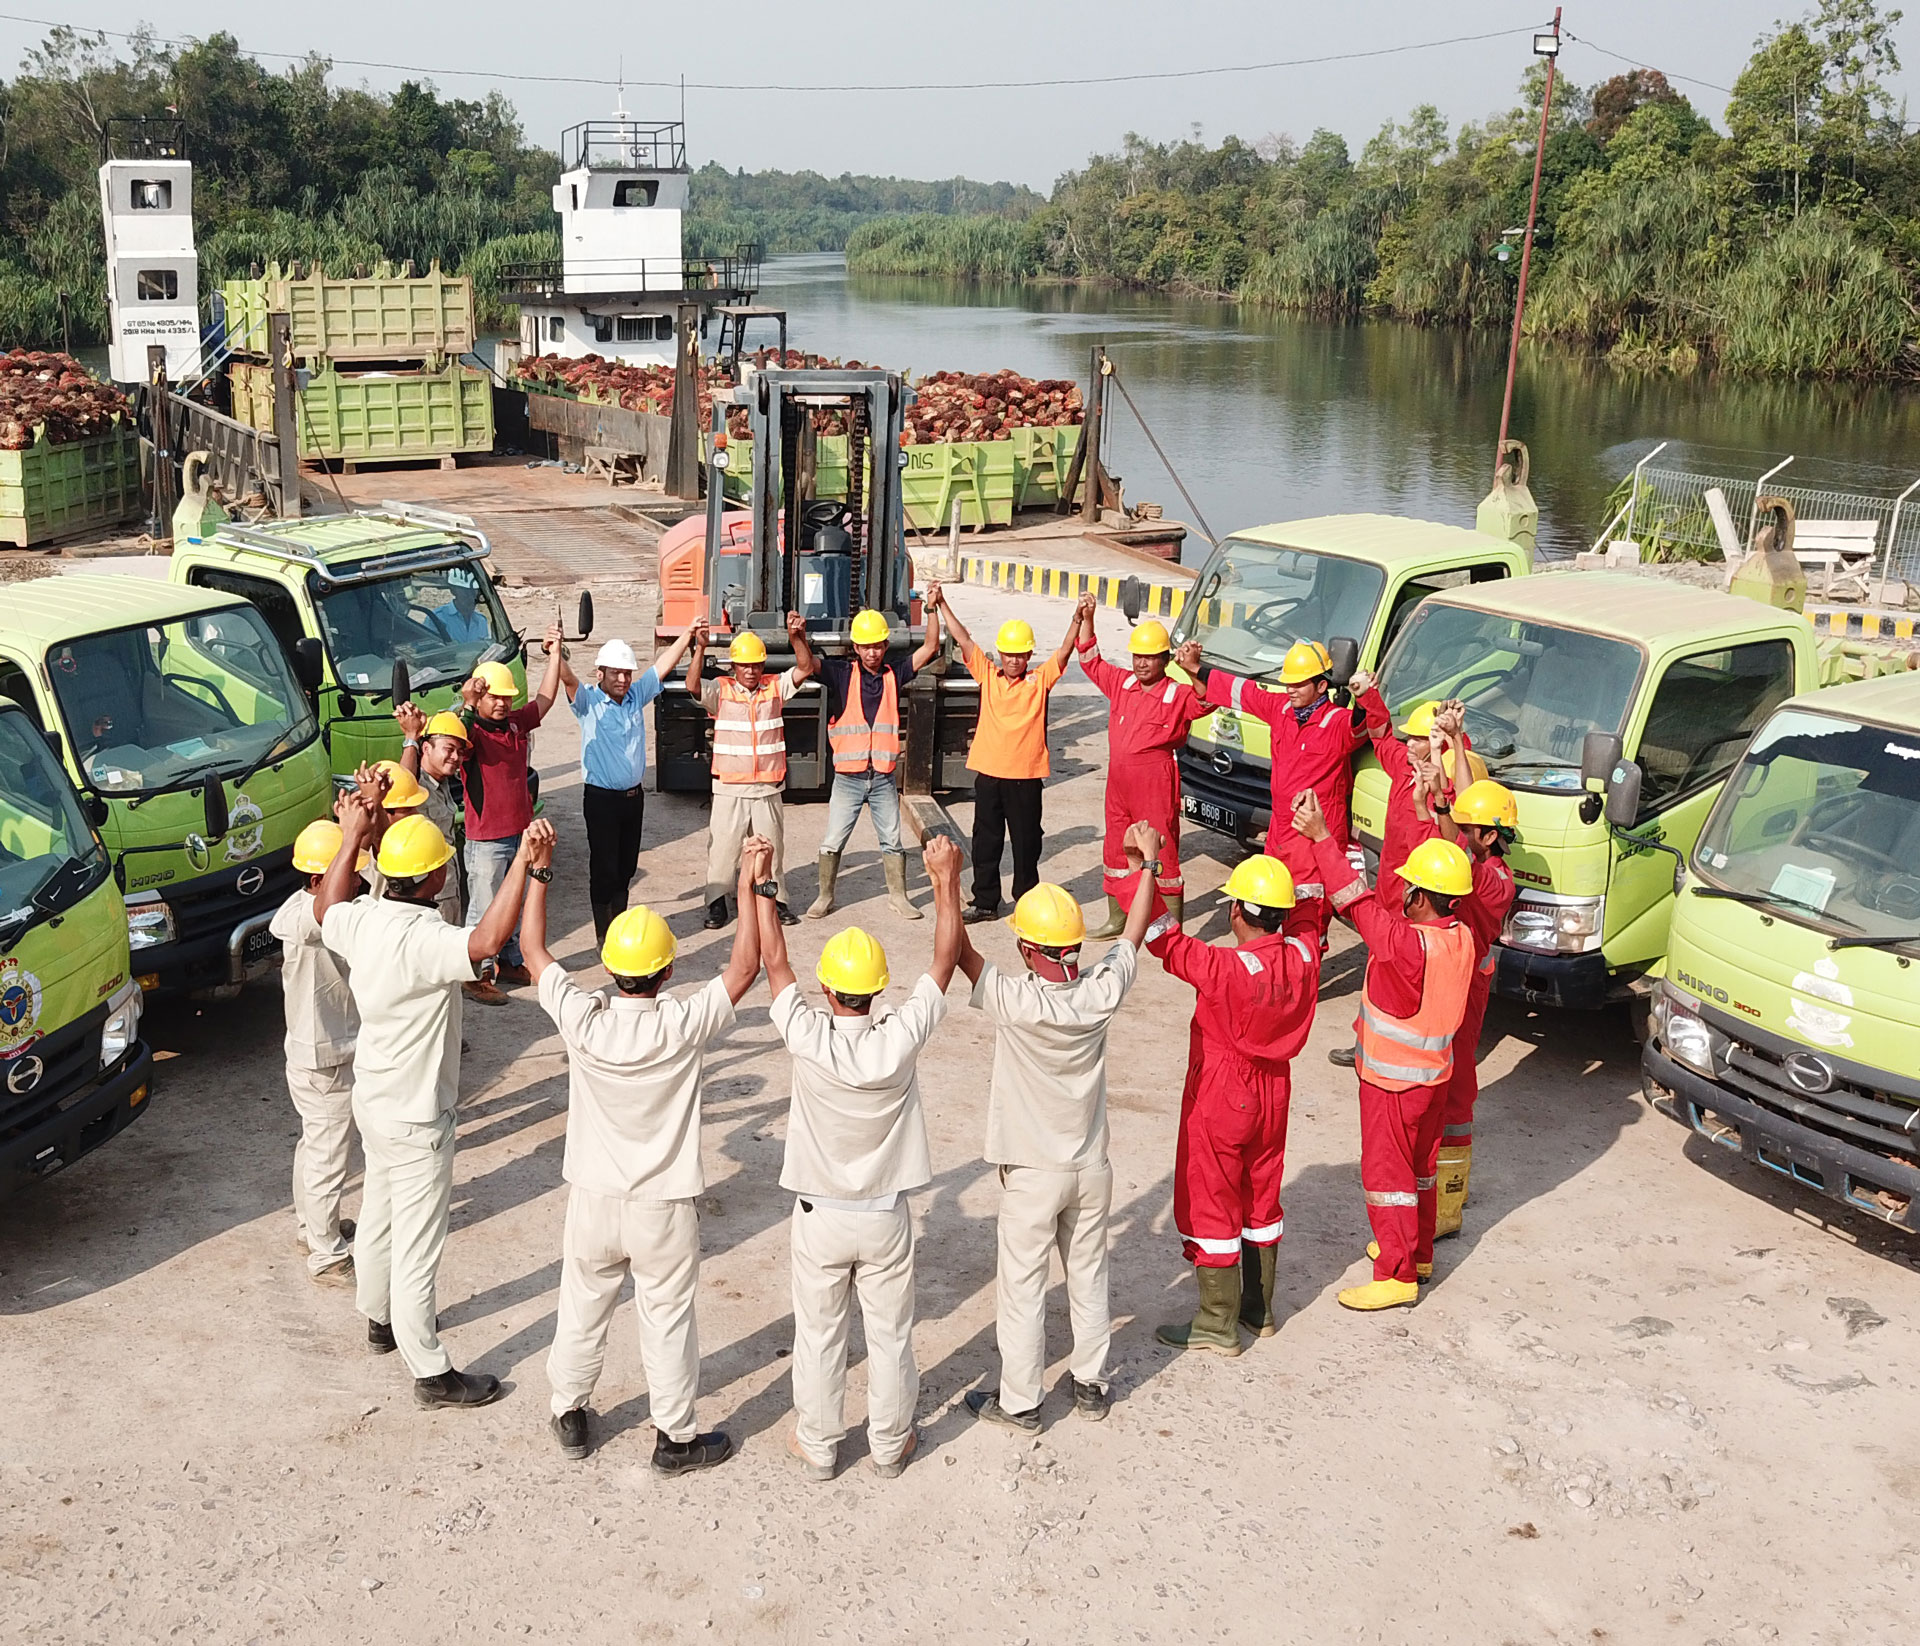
(210, 961)
(1574, 982)
(1870, 1183)
(1225, 792)
(81, 1125)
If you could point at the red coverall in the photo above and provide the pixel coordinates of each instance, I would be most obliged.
(1399, 1130)
(1483, 914)
(1404, 828)
(1311, 751)
(1143, 777)
(1254, 1008)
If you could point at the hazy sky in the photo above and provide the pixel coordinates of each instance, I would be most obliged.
(1026, 135)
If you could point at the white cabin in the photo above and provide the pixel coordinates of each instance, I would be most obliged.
(153, 271)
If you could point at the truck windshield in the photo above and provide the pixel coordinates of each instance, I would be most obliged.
(150, 705)
(441, 622)
(1822, 819)
(49, 859)
(1532, 691)
(1254, 600)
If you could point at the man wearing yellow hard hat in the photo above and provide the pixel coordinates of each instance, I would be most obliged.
(499, 799)
(321, 1029)
(1047, 1132)
(434, 750)
(1412, 1003)
(405, 967)
(856, 1147)
(1008, 759)
(1252, 1010)
(1484, 820)
(635, 1060)
(1146, 729)
(866, 738)
(749, 756)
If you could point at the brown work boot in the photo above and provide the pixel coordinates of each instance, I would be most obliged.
(518, 976)
(483, 993)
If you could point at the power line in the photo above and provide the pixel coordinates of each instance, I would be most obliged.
(902, 86)
(1635, 63)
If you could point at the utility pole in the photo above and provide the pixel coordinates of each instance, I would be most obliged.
(1547, 45)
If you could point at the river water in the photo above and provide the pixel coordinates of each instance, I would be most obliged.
(1272, 417)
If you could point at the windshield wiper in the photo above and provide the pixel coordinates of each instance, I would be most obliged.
(1762, 900)
(47, 900)
(1892, 941)
(278, 744)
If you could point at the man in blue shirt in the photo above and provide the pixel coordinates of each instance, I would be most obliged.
(613, 757)
(464, 620)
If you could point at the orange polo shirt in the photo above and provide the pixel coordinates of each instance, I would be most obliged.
(1011, 739)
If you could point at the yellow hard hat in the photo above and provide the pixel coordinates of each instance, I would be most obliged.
(1438, 866)
(1014, 636)
(1149, 639)
(1419, 723)
(404, 791)
(853, 963)
(448, 724)
(747, 648)
(869, 629)
(638, 944)
(318, 845)
(1265, 882)
(1305, 660)
(498, 680)
(1487, 803)
(1049, 916)
(413, 847)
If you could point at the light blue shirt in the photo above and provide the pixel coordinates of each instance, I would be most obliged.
(476, 629)
(613, 736)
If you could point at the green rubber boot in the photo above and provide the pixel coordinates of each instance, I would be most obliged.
(1115, 923)
(1216, 1326)
(1256, 1289)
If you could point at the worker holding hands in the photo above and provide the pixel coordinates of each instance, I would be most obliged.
(1146, 729)
(749, 756)
(635, 1062)
(1009, 757)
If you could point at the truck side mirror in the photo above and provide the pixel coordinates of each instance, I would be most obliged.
(1623, 794)
(1133, 598)
(95, 808)
(1345, 653)
(214, 793)
(402, 682)
(1598, 755)
(306, 663)
(54, 743)
(584, 618)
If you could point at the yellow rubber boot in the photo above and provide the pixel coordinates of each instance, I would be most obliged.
(1423, 1270)
(1454, 1170)
(1379, 1294)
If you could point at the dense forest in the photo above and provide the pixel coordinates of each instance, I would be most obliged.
(287, 165)
(1787, 244)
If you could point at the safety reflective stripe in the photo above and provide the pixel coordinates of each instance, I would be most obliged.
(1159, 929)
(1399, 1053)
(1234, 691)
(1391, 1029)
(1250, 961)
(749, 742)
(1425, 1182)
(1167, 696)
(1299, 947)
(1264, 1236)
(1390, 1197)
(1310, 888)
(1352, 892)
(856, 744)
(1457, 1131)
(1486, 963)
(1213, 1248)
(1413, 1074)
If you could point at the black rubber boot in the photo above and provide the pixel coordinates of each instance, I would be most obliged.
(1216, 1324)
(1256, 1289)
(456, 1389)
(787, 916)
(679, 1457)
(716, 915)
(380, 1337)
(1344, 1057)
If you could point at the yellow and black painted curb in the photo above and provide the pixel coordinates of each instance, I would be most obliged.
(1855, 624)
(1070, 583)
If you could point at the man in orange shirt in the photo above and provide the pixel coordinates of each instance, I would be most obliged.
(1009, 754)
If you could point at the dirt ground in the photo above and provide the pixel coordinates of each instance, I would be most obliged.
(1653, 1395)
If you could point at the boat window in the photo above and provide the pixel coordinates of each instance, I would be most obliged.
(636, 191)
(157, 285)
(441, 621)
(1254, 600)
(556, 329)
(1705, 709)
(602, 328)
(634, 328)
(151, 195)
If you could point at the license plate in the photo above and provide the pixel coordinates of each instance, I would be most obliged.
(260, 945)
(1223, 818)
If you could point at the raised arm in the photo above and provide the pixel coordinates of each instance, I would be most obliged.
(943, 869)
(805, 664)
(550, 681)
(533, 926)
(697, 657)
(773, 944)
(490, 936)
(930, 647)
(961, 638)
(568, 678)
(1082, 614)
(357, 825)
(413, 727)
(1149, 842)
(743, 965)
(668, 660)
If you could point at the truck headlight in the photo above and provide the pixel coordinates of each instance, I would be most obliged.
(122, 1027)
(149, 925)
(1688, 1037)
(1564, 925)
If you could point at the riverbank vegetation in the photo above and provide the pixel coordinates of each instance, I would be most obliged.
(1786, 244)
(288, 167)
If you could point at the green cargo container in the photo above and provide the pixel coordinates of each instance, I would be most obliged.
(386, 317)
(50, 490)
(979, 475)
(376, 415)
(829, 464)
(1041, 458)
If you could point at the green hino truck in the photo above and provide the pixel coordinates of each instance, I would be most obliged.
(1786, 1026)
(73, 1069)
(182, 719)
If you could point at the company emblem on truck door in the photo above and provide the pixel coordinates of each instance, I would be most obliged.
(19, 1008)
(246, 830)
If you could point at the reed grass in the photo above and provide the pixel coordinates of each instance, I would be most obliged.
(969, 248)
(1815, 301)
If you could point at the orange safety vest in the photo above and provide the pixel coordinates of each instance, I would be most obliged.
(750, 734)
(855, 744)
(1399, 1053)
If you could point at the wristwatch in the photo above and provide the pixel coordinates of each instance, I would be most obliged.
(544, 876)
(767, 888)
(1152, 868)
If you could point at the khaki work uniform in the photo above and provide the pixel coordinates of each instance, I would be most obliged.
(439, 810)
(741, 809)
(406, 966)
(1047, 1132)
(856, 1145)
(633, 1171)
(321, 1028)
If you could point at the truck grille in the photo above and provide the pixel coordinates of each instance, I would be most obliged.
(69, 1061)
(216, 904)
(1245, 785)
